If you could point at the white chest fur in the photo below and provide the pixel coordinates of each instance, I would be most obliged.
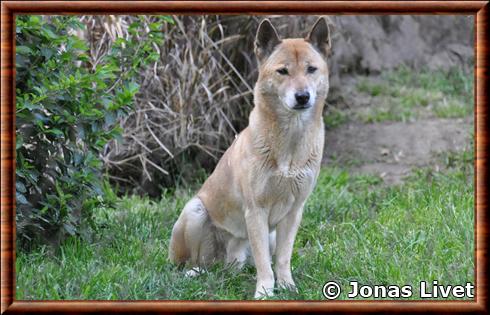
(292, 185)
(287, 171)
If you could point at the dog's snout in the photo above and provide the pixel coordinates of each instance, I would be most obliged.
(302, 97)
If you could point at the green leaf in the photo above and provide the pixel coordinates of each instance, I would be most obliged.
(168, 19)
(18, 141)
(69, 228)
(23, 50)
(20, 187)
(55, 131)
(21, 199)
(47, 52)
(49, 33)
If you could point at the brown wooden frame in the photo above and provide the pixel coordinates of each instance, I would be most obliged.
(480, 10)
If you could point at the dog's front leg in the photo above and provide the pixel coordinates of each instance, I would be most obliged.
(258, 235)
(285, 234)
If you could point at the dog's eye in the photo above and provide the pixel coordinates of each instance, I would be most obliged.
(282, 71)
(311, 69)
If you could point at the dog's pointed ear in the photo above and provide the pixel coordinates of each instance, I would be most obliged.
(265, 40)
(319, 36)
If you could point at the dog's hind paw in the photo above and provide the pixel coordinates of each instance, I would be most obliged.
(194, 272)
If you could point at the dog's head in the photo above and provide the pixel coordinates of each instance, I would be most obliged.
(293, 72)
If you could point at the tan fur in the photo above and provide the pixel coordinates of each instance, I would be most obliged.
(255, 196)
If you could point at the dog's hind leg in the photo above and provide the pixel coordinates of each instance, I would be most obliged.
(193, 239)
(178, 252)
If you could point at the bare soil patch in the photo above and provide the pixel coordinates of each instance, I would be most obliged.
(392, 149)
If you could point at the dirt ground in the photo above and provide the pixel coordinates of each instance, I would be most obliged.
(392, 149)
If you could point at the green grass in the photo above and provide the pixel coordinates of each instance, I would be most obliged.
(371, 88)
(404, 95)
(353, 228)
(334, 117)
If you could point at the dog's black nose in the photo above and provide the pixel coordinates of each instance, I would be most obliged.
(302, 98)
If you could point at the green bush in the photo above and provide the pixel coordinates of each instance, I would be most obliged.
(67, 109)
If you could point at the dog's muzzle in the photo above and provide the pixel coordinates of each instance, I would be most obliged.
(302, 100)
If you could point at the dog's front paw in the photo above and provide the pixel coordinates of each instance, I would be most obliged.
(287, 284)
(264, 290)
(285, 281)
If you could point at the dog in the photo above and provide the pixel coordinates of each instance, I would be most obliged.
(253, 201)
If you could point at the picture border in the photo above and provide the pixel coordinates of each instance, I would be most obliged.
(480, 11)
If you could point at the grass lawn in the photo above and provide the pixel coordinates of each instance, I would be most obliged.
(354, 228)
(406, 95)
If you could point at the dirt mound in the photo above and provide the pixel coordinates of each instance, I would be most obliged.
(392, 149)
(375, 43)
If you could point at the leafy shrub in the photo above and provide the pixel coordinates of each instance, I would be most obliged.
(68, 106)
